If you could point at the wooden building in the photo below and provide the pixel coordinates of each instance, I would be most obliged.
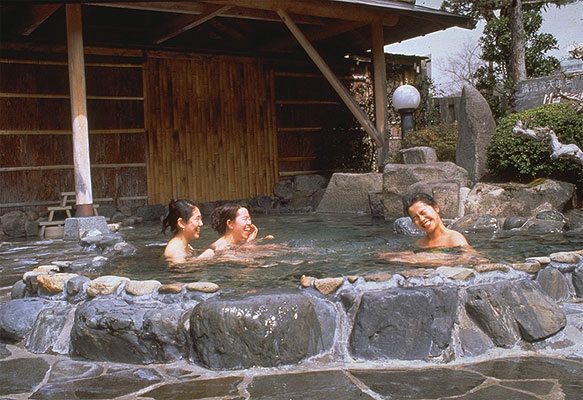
(210, 100)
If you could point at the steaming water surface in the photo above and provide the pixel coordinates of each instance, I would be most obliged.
(309, 244)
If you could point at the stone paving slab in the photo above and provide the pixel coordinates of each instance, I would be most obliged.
(308, 386)
(516, 378)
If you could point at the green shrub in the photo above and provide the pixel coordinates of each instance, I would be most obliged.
(514, 158)
(442, 138)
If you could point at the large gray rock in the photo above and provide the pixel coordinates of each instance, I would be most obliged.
(405, 226)
(51, 331)
(578, 281)
(445, 193)
(76, 228)
(476, 126)
(398, 177)
(419, 155)
(518, 200)
(113, 330)
(438, 178)
(14, 224)
(509, 311)
(350, 192)
(263, 330)
(553, 283)
(476, 223)
(406, 324)
(151, 212)
(18, 316)
(301, 191)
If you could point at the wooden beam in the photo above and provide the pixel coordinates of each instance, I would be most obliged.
(183, 23)
(316, 34)
(114, 131)
(196, 8)
(380, 88)
(83, 191)
(332, 79)
(314, 8)
(68, 166)
(37, 15)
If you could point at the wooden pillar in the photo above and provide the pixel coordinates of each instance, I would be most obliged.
(83, 192)
(344, 94)
(380, 90)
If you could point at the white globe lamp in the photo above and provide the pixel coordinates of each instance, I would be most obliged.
(406, 99)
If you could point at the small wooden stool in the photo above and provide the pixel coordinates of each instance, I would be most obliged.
(62, 207)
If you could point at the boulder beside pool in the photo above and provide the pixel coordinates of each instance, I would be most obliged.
(262, 330)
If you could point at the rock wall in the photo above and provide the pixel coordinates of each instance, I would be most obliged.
(420, 314)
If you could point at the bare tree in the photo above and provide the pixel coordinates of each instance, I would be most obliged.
(461, 67)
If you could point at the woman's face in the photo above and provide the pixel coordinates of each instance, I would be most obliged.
(424, 216)
(241, 227)
(192, 226)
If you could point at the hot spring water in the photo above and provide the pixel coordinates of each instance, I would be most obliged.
(310, 244)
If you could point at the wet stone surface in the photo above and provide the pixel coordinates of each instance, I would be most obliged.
(198, 389)
(421, 384)
(106, 386)
(516, 378)
(21, 375)
(319, 385)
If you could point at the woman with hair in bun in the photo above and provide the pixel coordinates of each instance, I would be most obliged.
(184, 220)
(233, 223)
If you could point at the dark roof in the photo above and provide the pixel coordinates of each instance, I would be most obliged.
(335, 27)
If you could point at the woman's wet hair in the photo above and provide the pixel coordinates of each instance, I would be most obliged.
(180, 208)
(222, 214)
(413, 198)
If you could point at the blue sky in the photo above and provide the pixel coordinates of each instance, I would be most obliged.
(564, 23)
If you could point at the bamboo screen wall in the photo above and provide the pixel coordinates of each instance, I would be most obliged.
(211, 128)
(36, 154)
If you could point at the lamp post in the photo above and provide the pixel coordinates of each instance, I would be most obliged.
(405, 100)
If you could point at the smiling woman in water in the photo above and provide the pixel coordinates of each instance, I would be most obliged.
(424, 212)
(233, 222)
(440, 245)
(184, 220)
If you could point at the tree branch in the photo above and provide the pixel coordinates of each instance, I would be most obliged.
(576, 99)
(560, 151)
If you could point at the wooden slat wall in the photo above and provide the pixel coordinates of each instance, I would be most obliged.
(307, 110)
(211, 128)
(36, 159)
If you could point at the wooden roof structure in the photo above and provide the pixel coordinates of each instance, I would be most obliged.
(325, 30)
(334, 27)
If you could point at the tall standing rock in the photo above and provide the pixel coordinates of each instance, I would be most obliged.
(476, 126)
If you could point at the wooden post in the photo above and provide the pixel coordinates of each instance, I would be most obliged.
(344, 94)
(82, 164)
(380, 90)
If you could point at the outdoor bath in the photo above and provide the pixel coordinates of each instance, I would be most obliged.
(361, 312)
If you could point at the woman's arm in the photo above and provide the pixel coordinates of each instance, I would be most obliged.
(208, 253)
